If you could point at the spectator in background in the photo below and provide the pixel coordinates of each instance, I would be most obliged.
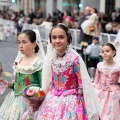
(83, 36)
(113, 17)
(108, 28)
(31, 15)
(94, 51)
(39, 14)
(68, 17)
(103, 21)
(117, 19)
(91, 25)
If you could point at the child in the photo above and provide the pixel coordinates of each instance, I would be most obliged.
(106, 83)
(29, 63)
(91, 26)
(71, 93)
(94, 51)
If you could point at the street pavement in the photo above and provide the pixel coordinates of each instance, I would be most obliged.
(8, 52)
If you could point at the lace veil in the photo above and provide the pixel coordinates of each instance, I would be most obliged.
(40, 53)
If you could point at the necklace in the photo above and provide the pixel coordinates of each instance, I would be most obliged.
(61, 56)
(107, 71)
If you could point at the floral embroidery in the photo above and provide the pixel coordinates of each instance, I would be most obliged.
(27, 81)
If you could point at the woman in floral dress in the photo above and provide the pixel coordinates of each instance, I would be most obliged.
(106, 84)
(28, 69)
(70, 95)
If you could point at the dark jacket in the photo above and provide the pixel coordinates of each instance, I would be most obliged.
(84, 37)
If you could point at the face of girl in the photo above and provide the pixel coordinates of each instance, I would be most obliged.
(107, 53)
(59, 40)
(24, 44)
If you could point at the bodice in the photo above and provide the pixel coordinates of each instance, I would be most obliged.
(23, 81)
(26, 76)
(66, 73)
(107, 77)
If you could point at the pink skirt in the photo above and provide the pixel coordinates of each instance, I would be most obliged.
(63, 107)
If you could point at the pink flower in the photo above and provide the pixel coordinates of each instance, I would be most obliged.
(30, 92)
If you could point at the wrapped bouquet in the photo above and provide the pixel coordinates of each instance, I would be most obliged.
(34, 96)
(2, 82)
(34, 93)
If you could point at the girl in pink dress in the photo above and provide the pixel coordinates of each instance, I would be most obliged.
(71, 95)
(106, 83)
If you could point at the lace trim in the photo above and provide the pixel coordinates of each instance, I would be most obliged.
(36, 65)
(60, 66)
(114, 69)
(92, 105)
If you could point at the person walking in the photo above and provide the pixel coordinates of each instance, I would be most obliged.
(28, 69)
(71, 95)
(106, 84)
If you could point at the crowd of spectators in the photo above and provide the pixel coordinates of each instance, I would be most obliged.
(71, 19)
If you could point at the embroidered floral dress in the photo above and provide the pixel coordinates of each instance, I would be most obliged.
(106, 83)
(63, 101)
(14, 105)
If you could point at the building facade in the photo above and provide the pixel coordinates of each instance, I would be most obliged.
(49, 6)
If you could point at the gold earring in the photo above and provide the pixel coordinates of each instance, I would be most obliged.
(33, 50)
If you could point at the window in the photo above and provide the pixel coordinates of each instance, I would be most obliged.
(109, 7)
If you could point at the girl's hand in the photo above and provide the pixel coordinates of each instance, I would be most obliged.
(80, 91)
(4, 81)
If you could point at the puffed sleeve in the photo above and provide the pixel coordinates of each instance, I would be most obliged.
(77, 72)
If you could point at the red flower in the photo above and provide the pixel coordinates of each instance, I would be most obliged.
(27, 81)
(42, 93)
(30, 92)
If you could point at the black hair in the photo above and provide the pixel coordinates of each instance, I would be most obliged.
(95, 10)
(95, 38)
(32, 37)
(111, 46)
(65, 28)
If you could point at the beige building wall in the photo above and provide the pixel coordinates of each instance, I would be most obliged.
(102, 6)
(49, 5)
(25, 5)
(117, 4)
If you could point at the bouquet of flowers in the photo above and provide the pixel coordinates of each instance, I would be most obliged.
(83, 45)
(34, 93)
(2, 83)
(34, 96)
